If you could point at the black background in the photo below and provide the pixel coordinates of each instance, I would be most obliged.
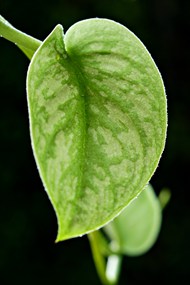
(28, 254)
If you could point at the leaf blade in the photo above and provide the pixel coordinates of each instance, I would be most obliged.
(114, 157)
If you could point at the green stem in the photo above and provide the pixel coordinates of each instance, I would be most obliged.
(108, 274)
(98, 258)
(25, 42)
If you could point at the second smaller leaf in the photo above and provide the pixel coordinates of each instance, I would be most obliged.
(136, 229)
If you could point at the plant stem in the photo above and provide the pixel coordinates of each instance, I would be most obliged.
(25, 42)
(98, 258)
(114, 261)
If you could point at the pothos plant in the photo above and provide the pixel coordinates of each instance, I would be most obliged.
(98, 120)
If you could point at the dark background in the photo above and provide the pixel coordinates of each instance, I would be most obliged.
(28, 254)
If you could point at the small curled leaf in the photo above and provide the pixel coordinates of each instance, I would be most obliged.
(97, 111)
(136, 229)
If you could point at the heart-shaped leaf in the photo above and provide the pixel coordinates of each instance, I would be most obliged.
(136, 229)
(97, 111)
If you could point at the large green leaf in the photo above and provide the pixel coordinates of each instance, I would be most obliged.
(136, 229)
(97, 112)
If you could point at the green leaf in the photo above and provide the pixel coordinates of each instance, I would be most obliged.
(97, 111)
(136, 229)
